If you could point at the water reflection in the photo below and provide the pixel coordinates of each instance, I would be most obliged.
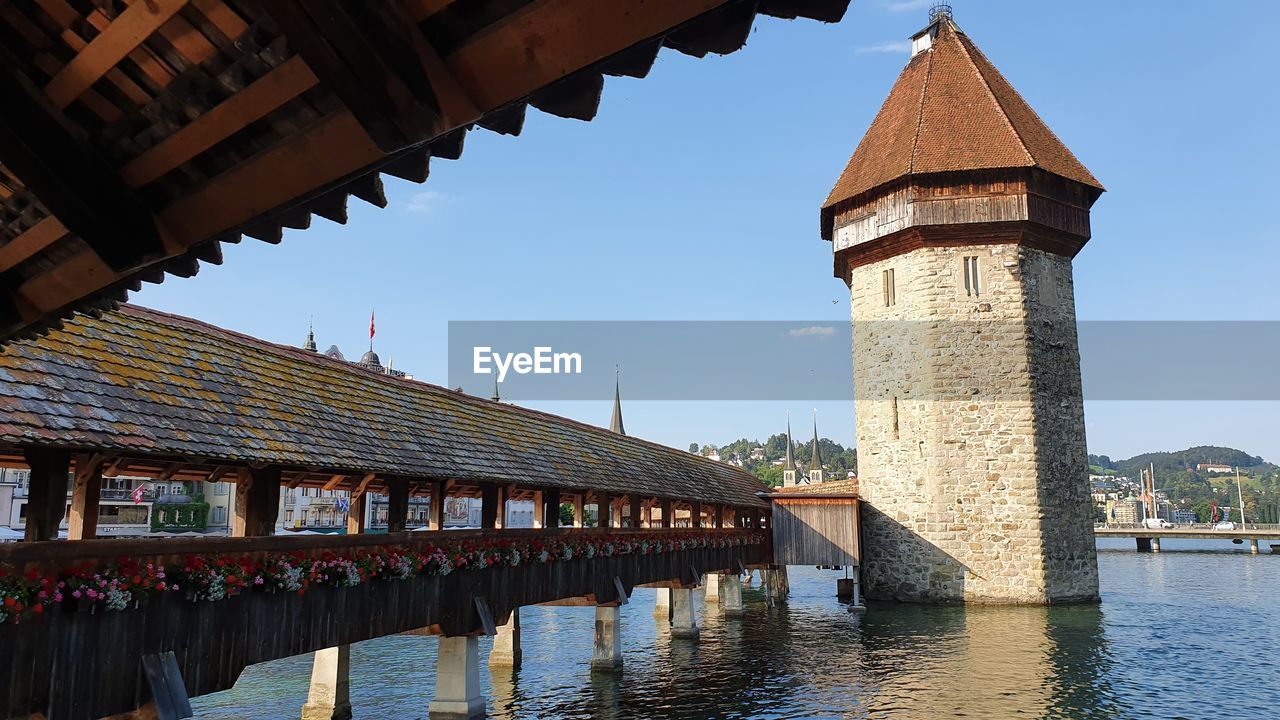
(1169, 626)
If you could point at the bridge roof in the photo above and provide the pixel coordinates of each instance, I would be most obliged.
(144, 383)
(139, 136)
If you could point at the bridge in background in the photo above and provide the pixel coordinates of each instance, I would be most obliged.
(1148, 539)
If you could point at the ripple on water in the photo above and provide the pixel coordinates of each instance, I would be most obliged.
(1179, 634)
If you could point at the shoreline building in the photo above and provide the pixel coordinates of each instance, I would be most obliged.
(954, 225)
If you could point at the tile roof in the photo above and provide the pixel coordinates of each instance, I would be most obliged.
(149, 383)
(952, 111)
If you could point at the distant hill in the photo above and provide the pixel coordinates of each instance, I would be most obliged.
(1168, 463)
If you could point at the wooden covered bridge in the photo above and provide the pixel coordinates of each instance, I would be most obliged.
(139, 392)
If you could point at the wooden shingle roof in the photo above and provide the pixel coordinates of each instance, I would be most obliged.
(146, 383)
(952, 111)
(139, 135)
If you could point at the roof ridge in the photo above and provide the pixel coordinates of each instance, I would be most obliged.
(344, 366)
(924, 99)
(982, 79)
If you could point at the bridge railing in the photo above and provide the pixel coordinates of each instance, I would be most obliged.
(1188, 526)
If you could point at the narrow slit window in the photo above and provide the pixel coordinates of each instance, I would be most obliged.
(890, 292)
(897, 435)
(971, 287)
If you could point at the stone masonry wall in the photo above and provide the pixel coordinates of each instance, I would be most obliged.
(970, 430)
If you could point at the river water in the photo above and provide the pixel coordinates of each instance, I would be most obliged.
(1193, 632)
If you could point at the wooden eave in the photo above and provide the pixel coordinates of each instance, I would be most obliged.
(139, 135)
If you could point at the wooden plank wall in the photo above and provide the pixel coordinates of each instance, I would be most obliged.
(815, 531)
(78, 666)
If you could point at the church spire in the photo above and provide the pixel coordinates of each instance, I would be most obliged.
(816, 462)
(615, 423)
(789, 467)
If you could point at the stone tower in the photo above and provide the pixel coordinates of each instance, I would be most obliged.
(954, 225)
(816, 476)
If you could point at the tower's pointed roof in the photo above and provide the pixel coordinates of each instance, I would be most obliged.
(615, 422)
(816, 462)
(791, 459)
(951, 111)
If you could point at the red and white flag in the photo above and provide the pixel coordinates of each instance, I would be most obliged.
(371, 324)
(137, 493)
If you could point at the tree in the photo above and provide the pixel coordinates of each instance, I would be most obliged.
(566, 515)
(693, 448)
(770, 475)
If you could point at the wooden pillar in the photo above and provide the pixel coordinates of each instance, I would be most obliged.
(579, 507)
(604, 503)
(437, 505)
(47, 498)
(615, 513)
(356, 513)
(668, 514)
(695, 515)
(397, 504)
(257, 502)
(490, 496)
(551, 513)
(646, 514)
(539, 511)
(637, 512)
(86, 491)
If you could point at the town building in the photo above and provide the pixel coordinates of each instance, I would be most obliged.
(954, 225)
(1213, 468)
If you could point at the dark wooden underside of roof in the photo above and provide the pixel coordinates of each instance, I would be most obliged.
(139, 135)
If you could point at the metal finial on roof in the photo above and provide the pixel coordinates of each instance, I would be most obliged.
(939, 11)
(816, 462)
(311, 337)
(496, 397)
(615, 423)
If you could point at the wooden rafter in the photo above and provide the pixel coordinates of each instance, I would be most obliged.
(112, 45)
(368, 55)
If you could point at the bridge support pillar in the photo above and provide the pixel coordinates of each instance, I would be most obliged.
(1144, 544)
(711, 585)
(732, 601)
(329, 697)
(1155, 545)
(684, 614)
(1253, 546)
(457, 680)
(776, 584)
(606, 654)
(506, 644)
(662, 604)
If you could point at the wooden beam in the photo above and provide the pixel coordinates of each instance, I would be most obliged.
(551, 509)
(86, 491)
(120, 38)
(70, 178)
(33, 240)
(490, 496)
(356, 514)
(360, 487)
(367, 55)
(335, 482)
(257, 502)
(668, 513)
(637, 512)
(436, 506)
(47, 498)
(397, 504)
(264, 95)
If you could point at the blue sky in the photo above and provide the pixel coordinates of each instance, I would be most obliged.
(694, 195)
